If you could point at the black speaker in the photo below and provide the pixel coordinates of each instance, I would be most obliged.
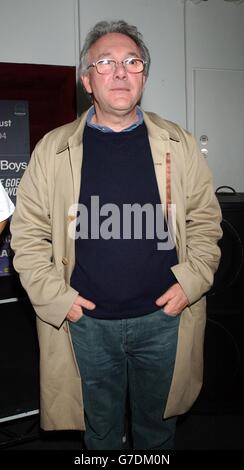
(231, 268)
(19, 360)
(223, 385)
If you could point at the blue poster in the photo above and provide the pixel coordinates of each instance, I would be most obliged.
(14, 157)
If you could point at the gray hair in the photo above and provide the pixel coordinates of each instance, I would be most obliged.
(104, 27)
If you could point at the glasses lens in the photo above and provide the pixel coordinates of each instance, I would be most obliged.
(105, 66)
(134, 65)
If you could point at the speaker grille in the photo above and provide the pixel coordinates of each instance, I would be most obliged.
(223, 385)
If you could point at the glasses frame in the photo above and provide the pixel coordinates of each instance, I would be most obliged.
(116, 63)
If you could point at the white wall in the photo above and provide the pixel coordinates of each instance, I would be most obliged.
(38, 31)
(215, 85)
(214, 39)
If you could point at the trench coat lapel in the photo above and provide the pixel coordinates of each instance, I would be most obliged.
(76, 156)
(159, 143)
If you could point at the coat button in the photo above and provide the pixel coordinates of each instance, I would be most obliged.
(65, 260)
(71, 217)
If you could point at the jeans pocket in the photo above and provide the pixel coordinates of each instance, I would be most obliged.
(77, 323)
(173, 318)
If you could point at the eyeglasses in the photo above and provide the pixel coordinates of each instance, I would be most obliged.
(131, 65)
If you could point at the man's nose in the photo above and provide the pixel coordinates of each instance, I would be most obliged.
(120, 70)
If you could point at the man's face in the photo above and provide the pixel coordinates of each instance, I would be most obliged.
(118, 92)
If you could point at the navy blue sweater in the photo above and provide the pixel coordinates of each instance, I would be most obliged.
(123, 277)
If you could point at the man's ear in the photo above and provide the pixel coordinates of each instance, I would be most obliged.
(85, 78)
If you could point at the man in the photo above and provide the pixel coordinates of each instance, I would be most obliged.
(6, 208)
(120, 309)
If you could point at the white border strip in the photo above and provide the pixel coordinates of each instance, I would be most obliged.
(6, 301)
(21, 415)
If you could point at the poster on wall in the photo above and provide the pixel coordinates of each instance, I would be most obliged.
(14, 157)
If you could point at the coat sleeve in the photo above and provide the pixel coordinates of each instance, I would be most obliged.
(31, 241)
(203, 230)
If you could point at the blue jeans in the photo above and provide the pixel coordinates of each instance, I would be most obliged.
(137, 354)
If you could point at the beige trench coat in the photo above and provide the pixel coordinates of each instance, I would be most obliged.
(44, 257)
